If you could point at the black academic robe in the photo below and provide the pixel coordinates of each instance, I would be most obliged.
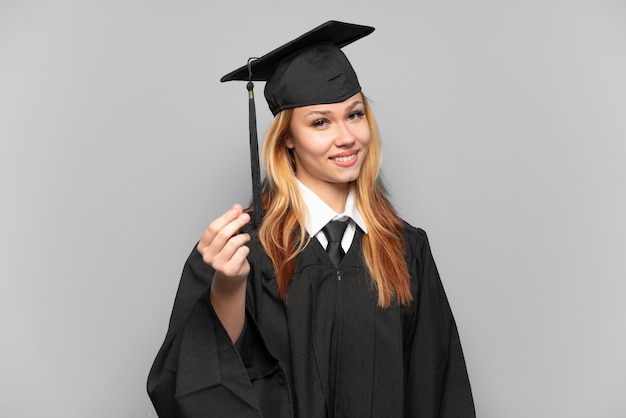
(329, 351)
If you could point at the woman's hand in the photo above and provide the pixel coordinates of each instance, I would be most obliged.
(223, 248)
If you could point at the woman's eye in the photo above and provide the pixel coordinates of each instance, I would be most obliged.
(319, 123)
(357, 114)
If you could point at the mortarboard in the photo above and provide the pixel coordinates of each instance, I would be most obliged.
(308, 70)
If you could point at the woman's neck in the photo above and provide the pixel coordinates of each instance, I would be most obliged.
(333, 194)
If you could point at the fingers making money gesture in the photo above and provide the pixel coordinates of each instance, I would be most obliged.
(224, 248)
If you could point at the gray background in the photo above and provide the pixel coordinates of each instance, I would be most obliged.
(504, 128)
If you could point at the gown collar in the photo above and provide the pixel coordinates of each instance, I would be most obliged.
(319, 213)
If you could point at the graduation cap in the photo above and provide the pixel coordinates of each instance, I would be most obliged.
(308, 70)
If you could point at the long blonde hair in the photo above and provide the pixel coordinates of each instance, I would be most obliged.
(283, 235)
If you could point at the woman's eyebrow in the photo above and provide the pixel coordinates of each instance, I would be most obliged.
(327, 112)
(320, 112)
(354, 104)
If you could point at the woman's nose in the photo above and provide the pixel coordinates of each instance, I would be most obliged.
(345, 136)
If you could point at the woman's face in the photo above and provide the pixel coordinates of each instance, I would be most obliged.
(329, 143)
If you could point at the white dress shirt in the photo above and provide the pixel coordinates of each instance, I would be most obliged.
(319, 214)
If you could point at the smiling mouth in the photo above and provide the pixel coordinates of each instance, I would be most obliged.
(345, 158)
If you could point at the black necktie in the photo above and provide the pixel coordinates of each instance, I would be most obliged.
(334, 232)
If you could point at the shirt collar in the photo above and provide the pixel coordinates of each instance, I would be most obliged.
(319, 213)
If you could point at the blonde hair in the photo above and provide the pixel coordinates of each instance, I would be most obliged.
(283, 235)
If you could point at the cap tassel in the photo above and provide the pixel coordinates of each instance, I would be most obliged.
(257, 198)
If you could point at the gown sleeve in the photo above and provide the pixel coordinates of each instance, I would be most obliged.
(198, 369)
(437, 381)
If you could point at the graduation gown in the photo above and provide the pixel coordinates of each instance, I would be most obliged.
(329, 351)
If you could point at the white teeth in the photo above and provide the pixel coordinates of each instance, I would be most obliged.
(344, 159)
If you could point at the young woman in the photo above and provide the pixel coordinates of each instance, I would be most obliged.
(294, 318)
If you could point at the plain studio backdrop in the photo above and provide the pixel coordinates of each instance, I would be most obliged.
(504, 131)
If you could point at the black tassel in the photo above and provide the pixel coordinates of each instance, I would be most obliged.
(257, 198)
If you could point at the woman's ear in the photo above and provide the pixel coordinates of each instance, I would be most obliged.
(288, 142)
